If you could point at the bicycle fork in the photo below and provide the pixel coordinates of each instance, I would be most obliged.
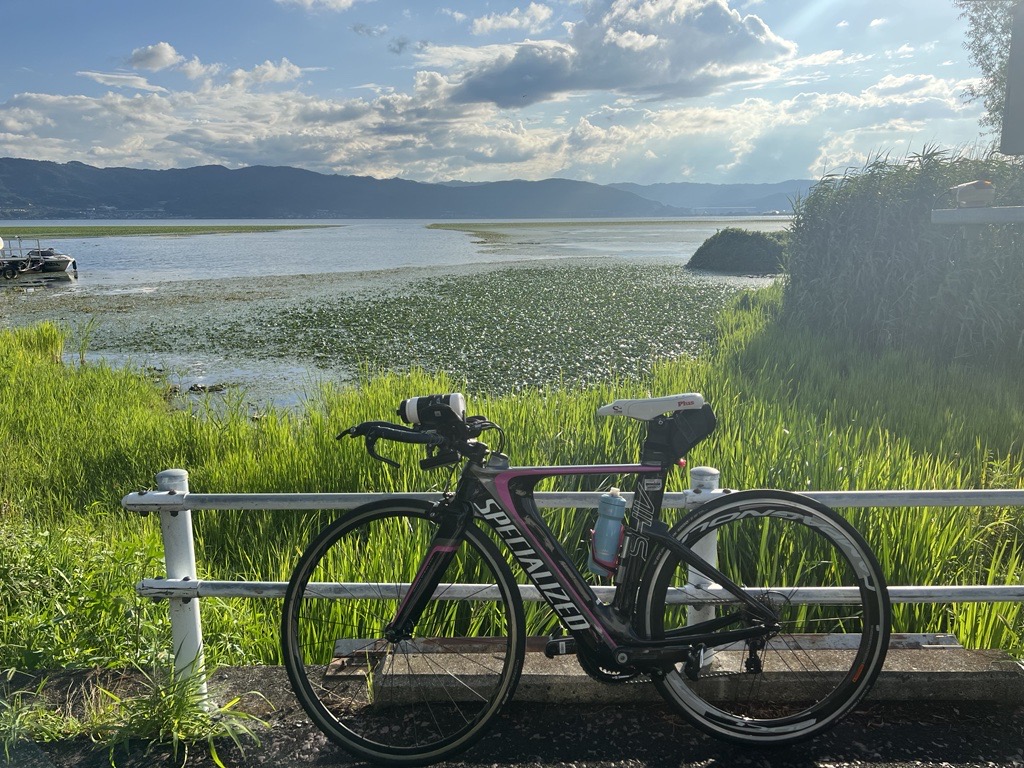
(441, 553)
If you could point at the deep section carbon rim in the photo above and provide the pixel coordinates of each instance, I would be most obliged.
(817, 573)
(422, 698)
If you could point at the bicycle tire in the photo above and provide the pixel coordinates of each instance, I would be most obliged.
(415, 701)
(771, 542)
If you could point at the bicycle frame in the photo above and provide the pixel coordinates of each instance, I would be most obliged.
(503, 497)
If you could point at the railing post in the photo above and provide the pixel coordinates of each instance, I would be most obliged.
(180, 560)
(703, 480)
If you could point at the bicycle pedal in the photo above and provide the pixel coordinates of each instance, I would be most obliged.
(560, 646)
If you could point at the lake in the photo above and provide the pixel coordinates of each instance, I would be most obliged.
(272, 314)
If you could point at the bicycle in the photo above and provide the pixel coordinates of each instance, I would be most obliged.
(403, 655)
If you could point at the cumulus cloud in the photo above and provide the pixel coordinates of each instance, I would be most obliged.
(534, 19)
(194, 69)
(654, 48)
(267, 72)
(154, 57)
(454, 121)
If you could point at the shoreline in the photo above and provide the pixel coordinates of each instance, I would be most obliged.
(129, 230)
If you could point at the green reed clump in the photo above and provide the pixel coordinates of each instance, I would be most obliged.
(865, 261)
(805, 412)
(740, 251)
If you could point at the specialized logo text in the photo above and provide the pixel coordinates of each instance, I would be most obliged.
(526, 556)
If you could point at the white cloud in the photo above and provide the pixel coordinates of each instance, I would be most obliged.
(878, 23)
(330, 5)
(267, 72)
(425, 134)
(653, 48)
(194, 69)
(458, 16)
(903, 52)
(118, 80)
(154, 57)
(533, 20)
(631, 39)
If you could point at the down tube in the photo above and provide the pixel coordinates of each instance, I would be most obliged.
(510, 509)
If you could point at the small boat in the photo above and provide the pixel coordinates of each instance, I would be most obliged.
(18, 259)
(51, 261)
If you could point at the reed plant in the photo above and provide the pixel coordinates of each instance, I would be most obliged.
(865, 261)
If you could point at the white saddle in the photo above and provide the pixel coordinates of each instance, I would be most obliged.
(652, 407)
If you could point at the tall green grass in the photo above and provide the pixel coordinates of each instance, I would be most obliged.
(796, 411)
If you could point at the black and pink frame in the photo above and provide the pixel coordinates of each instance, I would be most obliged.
(608, 634)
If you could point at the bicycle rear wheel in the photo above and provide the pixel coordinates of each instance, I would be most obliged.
(417, 700)
(783, 548)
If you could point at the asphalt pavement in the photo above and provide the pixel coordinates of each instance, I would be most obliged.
(945, 726)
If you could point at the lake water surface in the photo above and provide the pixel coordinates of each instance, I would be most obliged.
(276, 312)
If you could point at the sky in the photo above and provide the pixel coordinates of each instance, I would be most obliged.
(643, 91)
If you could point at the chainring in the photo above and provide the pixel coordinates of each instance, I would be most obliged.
(612, 676)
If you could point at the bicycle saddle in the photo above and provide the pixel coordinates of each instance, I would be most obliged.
(652, 407)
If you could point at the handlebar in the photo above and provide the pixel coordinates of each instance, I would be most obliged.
(375, 430)
(438, 422)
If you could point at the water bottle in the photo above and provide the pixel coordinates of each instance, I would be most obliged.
(606, 538)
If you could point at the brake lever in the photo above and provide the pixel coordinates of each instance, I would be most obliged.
(371, 443)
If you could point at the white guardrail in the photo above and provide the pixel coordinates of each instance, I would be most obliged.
(173, 502)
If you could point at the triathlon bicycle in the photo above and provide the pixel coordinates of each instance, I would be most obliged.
(404, 628)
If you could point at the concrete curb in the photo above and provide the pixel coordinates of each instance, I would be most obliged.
(930, 672)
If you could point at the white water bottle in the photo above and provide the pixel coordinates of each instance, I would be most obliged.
(606, 538)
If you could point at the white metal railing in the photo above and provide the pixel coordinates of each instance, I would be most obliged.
(173, 502)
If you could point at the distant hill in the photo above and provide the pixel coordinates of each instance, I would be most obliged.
(723, 198)
(45, 190)
(40, 189)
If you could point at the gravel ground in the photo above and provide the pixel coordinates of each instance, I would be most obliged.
(588, 736)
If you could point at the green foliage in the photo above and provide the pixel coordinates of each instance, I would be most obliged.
(865, 261)
(740, 251)
(68, 598)
(154, 708)
(988, 47)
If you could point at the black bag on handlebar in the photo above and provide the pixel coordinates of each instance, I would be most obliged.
(670, 438)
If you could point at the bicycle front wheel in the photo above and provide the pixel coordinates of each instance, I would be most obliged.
(823, 582)
(417, 700)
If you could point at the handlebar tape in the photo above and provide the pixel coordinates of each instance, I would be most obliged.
(375, 430)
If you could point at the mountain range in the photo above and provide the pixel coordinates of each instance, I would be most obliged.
(37, 189)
